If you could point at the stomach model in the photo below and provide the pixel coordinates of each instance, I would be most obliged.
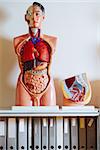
(76, 90)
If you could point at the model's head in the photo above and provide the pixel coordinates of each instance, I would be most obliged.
(35, 15)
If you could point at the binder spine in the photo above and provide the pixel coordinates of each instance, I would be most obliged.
(98, 133)
(51, 134)
(66, 134)
(11, 134)
(37, 133)
(22, 133)
(74, 134)
(91, 133)
(59, 133)
(3, 131)
(29, 133)
(45, 133)
(82, 133)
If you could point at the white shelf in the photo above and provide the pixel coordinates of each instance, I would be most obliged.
(50, 111)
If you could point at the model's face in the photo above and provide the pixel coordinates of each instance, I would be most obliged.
(34, 17)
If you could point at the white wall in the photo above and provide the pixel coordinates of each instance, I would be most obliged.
(76, 24)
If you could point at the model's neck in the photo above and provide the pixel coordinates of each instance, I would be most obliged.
(35, 32)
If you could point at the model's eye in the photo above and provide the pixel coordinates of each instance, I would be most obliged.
(37, 14)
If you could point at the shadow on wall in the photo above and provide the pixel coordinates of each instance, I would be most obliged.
(59, 94)
(7, 63)
(95, 85)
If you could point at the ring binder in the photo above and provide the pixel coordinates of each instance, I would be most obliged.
(12, 134)
(82, 133)
(30, 137)
(59, 135)
(22, 133)
(45, 133)
(91, 130)
(66, 133)
(74, 134)
(3, 129)
(52, 136)
(37, 133)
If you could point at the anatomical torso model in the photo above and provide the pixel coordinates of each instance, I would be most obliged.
(35, 86)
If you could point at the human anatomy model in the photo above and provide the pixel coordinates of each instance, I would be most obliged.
(76, 90)
(35, 86)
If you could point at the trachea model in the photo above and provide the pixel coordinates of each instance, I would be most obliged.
(35, 86)
(76, 90)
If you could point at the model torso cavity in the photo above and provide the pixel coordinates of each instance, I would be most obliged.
(34, 59)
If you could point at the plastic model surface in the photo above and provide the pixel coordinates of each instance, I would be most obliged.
(76, 90)
(34, 50)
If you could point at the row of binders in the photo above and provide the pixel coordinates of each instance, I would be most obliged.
(49, 133)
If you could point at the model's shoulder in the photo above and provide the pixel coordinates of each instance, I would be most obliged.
(19, 39)
(50, 37)
(21, 36)
(52, 40)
